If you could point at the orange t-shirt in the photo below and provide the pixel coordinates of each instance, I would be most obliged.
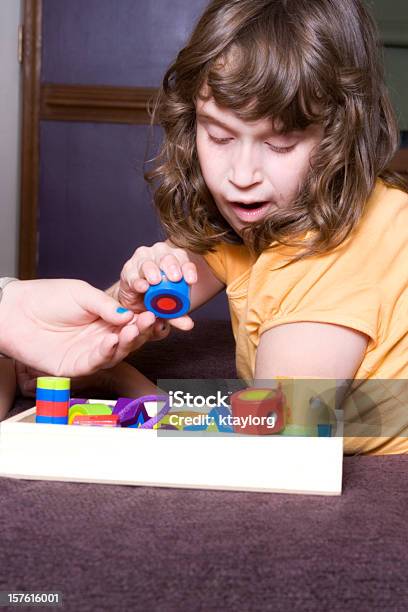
(362, 284)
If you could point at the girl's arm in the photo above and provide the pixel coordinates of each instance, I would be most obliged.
(306, 349)
(7, 386)
(313, 351)
(143, 270)
(123, 380)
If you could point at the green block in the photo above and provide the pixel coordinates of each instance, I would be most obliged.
(255, 395)
(87, 409)
(53, 383)
(97, 408)
(299, 430)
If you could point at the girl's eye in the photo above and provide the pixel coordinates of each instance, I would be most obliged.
(281, 150)
(220, 141)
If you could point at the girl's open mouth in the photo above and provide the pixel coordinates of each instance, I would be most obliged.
(250, 212)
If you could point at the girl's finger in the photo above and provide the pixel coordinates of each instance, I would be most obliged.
(189, 270)
(171, 267)
(150, 271)
(141, 285)
(145, 320)
(160, 330)
(130, 274)
(184, 323)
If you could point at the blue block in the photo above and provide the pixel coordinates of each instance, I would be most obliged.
(142, 417)
(53, 395)
(324, 431)
(216, 413)
(52, 420)
(195, 428)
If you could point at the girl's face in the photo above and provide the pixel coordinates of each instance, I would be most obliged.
(249, 168)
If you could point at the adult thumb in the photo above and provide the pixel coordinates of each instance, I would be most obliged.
(103, 305)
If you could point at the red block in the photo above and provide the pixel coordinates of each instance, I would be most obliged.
(98, 420)
(57, 409)
(250, 411)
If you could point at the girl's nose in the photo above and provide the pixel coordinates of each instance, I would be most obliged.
(245, 170)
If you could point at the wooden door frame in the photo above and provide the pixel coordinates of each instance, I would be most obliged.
(32, 42)
(61, 102)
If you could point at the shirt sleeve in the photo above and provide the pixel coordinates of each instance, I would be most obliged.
(335, 288)
(356, 305)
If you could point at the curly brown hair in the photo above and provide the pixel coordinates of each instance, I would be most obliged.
(303, 62)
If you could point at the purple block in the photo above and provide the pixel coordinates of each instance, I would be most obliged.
(130, 411)
(155, 419)
(74, 401)
(138, 418)
(121, 404)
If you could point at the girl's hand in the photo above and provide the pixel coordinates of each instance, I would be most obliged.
(144, 269)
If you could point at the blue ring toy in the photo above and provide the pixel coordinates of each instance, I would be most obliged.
(168, 299)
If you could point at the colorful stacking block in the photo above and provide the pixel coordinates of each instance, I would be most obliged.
(53, 420)
(324, 430)
(257, 409)
(88, 410)
(96, 420)
(220, 417)
(132, 412)
(201, 425)
(52, 400)
(77, 400)
(168, 299)
(141, 417)
(321, 416)
(177, 420)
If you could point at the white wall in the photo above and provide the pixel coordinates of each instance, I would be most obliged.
(10, 89)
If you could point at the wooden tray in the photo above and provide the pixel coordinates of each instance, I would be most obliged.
(192, 460)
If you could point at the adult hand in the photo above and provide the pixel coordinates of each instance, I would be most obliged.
(67, 327)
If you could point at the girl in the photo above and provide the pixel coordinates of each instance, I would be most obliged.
(272, 183)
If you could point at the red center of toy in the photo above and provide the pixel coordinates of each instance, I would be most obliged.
(166, 303)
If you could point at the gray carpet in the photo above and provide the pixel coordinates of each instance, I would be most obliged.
(138, 548)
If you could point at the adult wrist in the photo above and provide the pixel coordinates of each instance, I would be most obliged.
(3, 322)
